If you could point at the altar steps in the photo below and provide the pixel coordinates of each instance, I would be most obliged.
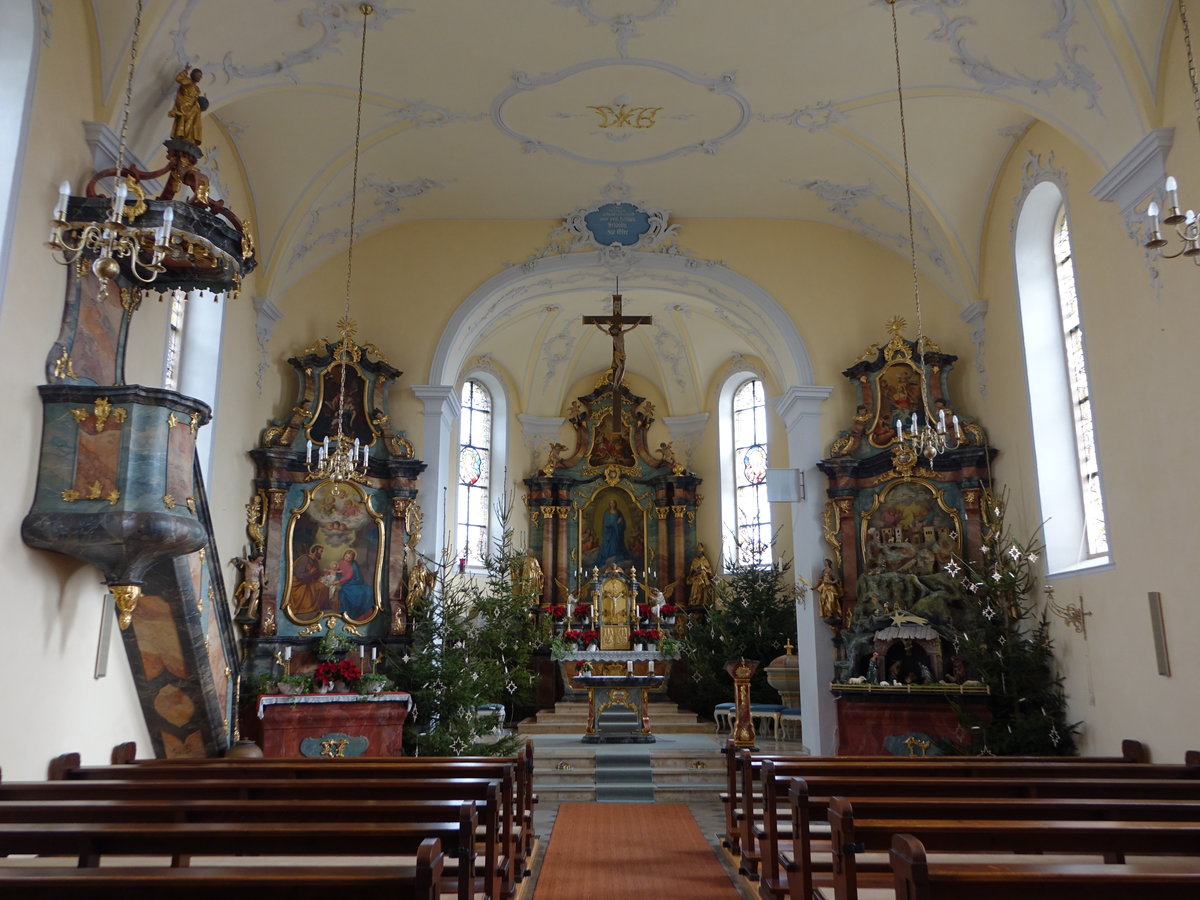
(571, 718)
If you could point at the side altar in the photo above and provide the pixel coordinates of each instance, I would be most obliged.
(908, 483)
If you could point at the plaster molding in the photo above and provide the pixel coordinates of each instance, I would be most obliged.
(800, 402)
(687, 432)
(423, 114)
(812, 118)
(1138, 176)
(975, 315)
(523, 83)
(45, 11)
(843, 200)
(1135, 180)
(438, 400)
(334, 17)
(388, 199)
(266, 314)
(1069, 71)
(105, 144)
(623, 25)
(1033, 173)
(538, 433)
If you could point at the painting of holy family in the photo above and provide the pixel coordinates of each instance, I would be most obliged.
(334, 564)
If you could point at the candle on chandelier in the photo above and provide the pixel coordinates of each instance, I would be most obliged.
(308, 453)
(60, 208)
(957, 428)
(287, 654)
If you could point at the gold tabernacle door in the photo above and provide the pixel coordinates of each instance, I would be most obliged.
(616, 599)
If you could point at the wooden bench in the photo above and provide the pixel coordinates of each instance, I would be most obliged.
(917, 879)
(1131, 752)
(742, 813)
(419, 881)
(851, 835)
(496, 876)
(460, 875)
(514, 839)
(786, 844)
(524, 797)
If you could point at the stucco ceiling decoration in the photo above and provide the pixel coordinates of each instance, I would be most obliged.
(638, 88)
(622, 112)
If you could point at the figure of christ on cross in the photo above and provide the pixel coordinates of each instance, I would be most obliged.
(615, 326)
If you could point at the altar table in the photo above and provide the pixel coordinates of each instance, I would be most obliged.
(333, 725)
(629, 691)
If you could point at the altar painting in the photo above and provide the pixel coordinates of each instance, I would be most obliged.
(612, 531)
(354, 421)
(899, 389)
(909, 529)
(334, 562)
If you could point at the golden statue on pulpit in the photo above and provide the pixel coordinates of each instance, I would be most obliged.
(616, 612)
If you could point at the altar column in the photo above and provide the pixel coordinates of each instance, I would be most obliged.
(800, 410)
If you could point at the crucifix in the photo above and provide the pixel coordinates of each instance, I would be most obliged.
(615, 326)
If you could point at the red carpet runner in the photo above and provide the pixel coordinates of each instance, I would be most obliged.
(612, 850)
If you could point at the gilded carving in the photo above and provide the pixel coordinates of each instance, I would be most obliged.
(678, 511)
(276, 496)
(190, 502)
(661, 512)
(256, 521)
(64, 367)
(625, 116)
(335, 748)
(126, 597)
(169, 501)
(172, 419)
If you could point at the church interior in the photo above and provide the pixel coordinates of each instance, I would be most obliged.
(656, 288)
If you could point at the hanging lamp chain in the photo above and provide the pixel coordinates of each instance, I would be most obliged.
(347, 328)
(912, 241)
(1187, 43)
(133, 52)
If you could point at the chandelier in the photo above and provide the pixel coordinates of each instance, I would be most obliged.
(340, 458)
(923, 437)
(1185, 224)
(115, 236)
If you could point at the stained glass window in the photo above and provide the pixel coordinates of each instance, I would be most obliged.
(474, 469)
(753, 526)
(174, 341)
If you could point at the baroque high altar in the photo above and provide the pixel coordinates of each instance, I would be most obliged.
(612, 523)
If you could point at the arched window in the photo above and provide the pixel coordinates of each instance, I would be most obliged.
(1068, 466)
(745, 513)
(474, 473)
(18, 62)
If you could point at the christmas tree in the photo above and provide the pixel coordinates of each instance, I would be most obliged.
(1005, 643)
(471, 646)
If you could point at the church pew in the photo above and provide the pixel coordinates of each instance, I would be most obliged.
(1132, 751)
(744, 815)
(497, 838)
(915, 878)
(67, 767)
(126, 754)
(789, 847)
(786, 846)
(460, 870)
(419, 881)
(851, 835)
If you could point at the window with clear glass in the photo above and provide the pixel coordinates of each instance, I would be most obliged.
(752, 510)
(474, 473)
(1061, 406)
(1081, 398)
(174, 341)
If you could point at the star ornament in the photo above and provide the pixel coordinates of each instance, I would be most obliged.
(952, 568)
(1015, 552)
(996, 576)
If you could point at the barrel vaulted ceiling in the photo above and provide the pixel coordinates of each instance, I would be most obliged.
(705, 108)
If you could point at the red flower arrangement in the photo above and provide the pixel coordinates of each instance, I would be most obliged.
(591, 637)
(644, 610)
(645, 635)
(573, 635)
(667, 610)
(582, 610)
(328, 672)
(557, 612)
